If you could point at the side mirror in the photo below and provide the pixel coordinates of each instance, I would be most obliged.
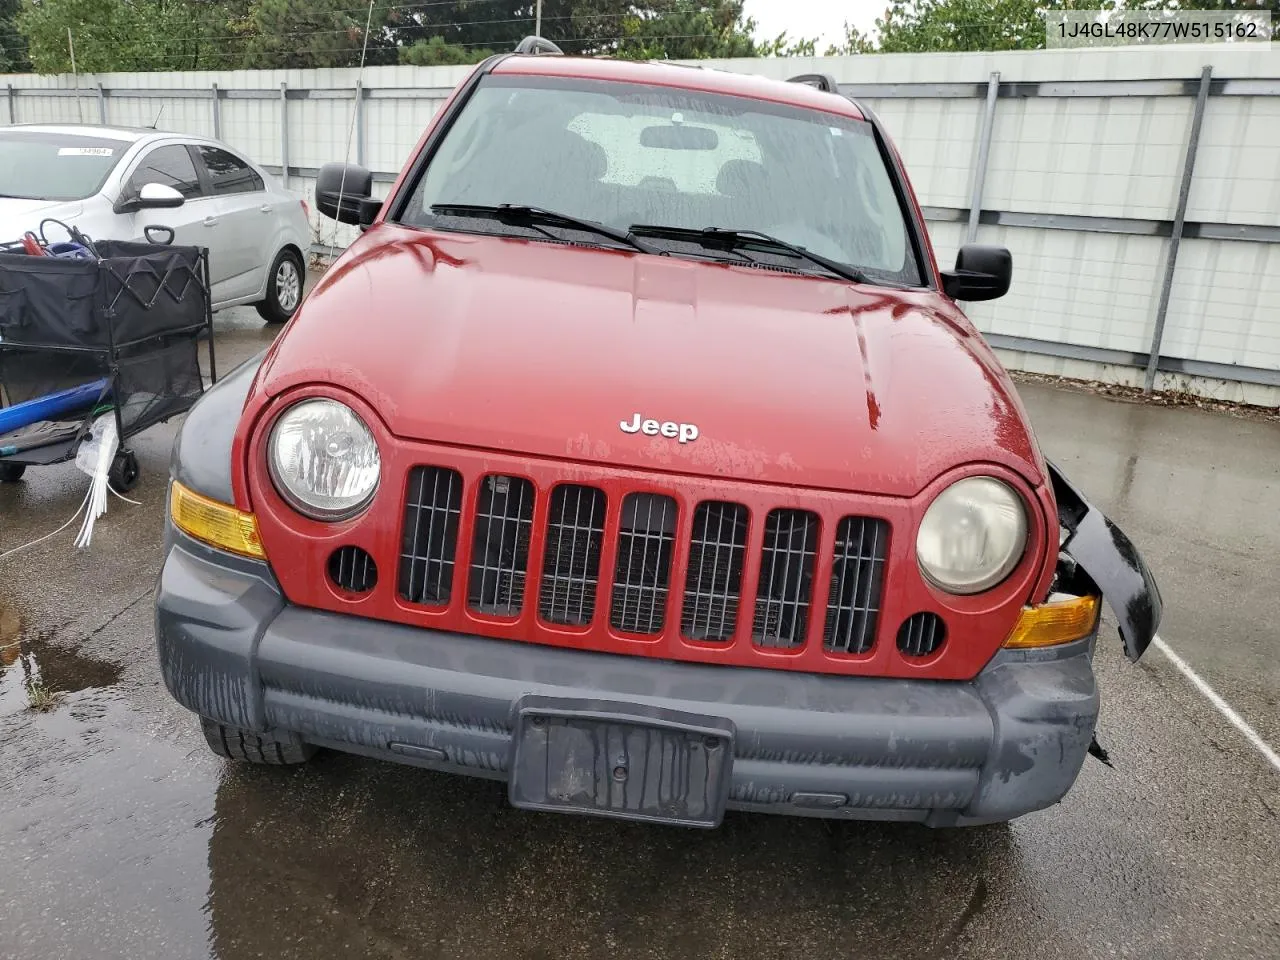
(344, 192)
(982, 272)
(152, 196)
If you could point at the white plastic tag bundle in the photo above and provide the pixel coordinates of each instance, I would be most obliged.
(94, 457)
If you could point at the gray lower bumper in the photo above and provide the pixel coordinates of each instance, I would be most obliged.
(1009, 742)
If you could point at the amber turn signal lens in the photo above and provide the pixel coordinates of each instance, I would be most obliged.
(214, 523)
(1055, 622)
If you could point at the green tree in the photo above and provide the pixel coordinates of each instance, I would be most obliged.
(213, 34)
(918, 26)
(855, 41)
(783, 46)
(127, 34)
(436, 51)
(13, 45)
(284, 34)
(1237, 6)
(687, 30)
(914, 26)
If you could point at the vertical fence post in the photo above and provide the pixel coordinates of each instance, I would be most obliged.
(360, 122)
(1179, 218)
(984, 150)
(102, 105)
(13, 103)
(217, 112)
(284, 133)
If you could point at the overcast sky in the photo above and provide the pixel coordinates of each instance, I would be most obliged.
(823, 19)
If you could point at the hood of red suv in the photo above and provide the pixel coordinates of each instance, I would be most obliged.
(558, 351)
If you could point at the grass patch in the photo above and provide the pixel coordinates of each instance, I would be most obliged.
(40, 698)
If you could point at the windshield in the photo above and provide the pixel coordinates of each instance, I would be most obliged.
(55, 166)
(625, 155)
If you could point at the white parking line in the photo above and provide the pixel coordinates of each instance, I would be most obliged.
(1222, 706)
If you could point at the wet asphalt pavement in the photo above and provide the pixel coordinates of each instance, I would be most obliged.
(122, 836)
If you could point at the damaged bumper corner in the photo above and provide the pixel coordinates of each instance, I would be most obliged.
(1112, 564)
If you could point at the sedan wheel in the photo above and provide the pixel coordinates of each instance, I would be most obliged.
(284, 288)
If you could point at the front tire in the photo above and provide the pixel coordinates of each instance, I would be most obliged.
(284, 288)
(249, 747)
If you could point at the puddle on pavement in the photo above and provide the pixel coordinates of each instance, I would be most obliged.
(35, 671)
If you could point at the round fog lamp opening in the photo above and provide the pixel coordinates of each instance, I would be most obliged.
(323, 460)
(972, 535)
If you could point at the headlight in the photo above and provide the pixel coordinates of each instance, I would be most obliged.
(324, 460)
(972, 535)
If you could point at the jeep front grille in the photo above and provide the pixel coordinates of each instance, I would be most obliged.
(429, 540)
(786, 578)
(571, 564)
(643, 564)
(500, 547)
(713, 585)
(794, 567)
(856, 575)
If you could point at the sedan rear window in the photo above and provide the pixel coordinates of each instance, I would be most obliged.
(228, 173)
(624, 155)
(55, 166)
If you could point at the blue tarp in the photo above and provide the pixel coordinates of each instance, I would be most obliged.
(52, 405)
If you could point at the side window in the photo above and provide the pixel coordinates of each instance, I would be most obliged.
(228, 173)
(171, 166)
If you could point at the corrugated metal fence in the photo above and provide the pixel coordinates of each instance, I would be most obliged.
(1139, 190)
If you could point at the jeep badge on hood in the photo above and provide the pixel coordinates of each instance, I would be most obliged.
(684, 432)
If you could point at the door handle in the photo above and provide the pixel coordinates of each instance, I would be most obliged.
(265, 208)
(210, 221)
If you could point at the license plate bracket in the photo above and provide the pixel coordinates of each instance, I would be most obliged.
(621, 760)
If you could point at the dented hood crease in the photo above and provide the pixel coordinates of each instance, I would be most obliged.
(548, 350)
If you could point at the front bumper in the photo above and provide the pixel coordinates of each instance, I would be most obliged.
(1009, 742)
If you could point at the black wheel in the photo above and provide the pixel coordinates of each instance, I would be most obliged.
(123, 475)
(284, 288)
(236, 744)
(12, 472)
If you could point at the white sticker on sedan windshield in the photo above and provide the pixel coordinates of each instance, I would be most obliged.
(836, 131)
(85, 151)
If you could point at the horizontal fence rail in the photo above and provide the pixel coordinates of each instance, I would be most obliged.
(1142, 212)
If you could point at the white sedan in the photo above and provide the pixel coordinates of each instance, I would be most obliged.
(113, 183)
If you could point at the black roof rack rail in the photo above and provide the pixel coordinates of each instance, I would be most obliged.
(538, 45)
(823, 81)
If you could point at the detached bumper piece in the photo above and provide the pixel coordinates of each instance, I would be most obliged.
(624, 736)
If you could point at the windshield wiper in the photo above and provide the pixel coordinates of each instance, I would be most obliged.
(525, 215)
(732, 240)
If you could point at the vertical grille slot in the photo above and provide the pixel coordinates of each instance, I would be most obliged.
(429, 542)
(643, 565)
(713, 585)
(571, 564)
(500, 550)
(921, 634)
(351, 568)
(786, 578)
(856, 577)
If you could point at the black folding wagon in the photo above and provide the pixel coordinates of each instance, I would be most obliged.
(113, 333)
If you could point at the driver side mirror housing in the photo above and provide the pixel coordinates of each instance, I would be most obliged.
(344, 192)
(983, 272)
(151, 196)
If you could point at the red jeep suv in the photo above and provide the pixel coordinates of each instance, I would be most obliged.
(638, 455)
